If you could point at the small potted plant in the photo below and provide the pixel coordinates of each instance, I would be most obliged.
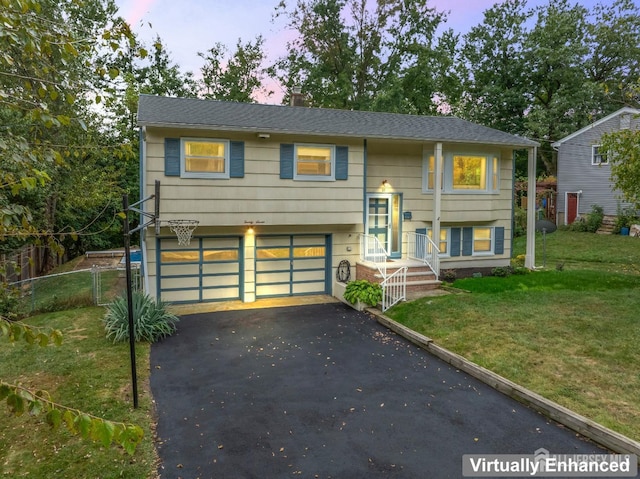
(624, 219)
(362, 293)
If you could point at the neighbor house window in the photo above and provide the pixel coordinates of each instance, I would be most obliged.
(205, 158)
(598, 157)
(314, 162)
(482, 241)
(469, 172)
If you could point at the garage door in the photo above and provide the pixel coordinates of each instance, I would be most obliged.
(209, 269)
(292, 265)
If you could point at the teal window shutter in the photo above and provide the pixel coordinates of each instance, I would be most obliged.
(467, 241)
(236, 159)
(172, 156)
(499, 240)
(342, 162)
(455, 242)
(286, 161)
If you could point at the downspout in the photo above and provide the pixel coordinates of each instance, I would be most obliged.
(530, 259)
(437, 194)
(142, 148)
(514, 196)
(364, 187)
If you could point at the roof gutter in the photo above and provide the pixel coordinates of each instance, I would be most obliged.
(236, 129)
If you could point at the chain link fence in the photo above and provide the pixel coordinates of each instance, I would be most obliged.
(108, 283)
(93, 286)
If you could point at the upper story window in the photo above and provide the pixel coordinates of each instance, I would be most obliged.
(469, 172)
(204, 158)
(314, 162)
(431, 168)
(598, 157)
(464, 173)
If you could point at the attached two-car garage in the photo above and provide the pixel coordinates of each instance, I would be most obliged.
(214, 268)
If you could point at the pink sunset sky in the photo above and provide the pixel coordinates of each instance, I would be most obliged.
(187, 27)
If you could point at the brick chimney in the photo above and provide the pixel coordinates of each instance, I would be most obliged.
(297, 97)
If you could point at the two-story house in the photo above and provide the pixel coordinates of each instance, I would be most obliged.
(584, 173)
(284, 195)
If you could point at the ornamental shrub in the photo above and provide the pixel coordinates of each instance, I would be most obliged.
(501, 271)
(151, 320)
(594, 220)
(363, 291)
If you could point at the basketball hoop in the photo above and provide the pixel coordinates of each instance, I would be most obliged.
(183, 229)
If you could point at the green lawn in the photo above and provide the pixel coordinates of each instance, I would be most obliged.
(88, 373)
(571, 335)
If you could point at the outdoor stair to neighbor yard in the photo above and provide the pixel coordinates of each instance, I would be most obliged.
(420, 278)
(608, 224)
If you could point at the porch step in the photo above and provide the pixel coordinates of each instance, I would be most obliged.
(420, 278)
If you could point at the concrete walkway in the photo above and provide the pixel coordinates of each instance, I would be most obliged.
(324, 391)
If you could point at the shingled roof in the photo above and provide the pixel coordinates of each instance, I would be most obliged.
(161, 111)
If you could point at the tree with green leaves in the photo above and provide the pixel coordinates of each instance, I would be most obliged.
(494, 70)
(366, 55)
(613, 37)
(623, 153)
(549, 78)
(234, 77)
(50, 77)
(561, 94)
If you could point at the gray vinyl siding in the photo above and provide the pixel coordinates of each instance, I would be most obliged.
(576, 173)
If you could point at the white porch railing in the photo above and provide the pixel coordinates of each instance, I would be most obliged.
(372, 250)
(394, 288)
(421, 248)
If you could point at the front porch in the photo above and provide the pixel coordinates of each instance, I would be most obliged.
(414, 275)
(420, 278)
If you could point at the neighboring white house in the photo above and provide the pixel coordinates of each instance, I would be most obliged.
(584, 173)
(284, 194)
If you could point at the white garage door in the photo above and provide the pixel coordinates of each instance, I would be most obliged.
(209, 269)
(288, 265)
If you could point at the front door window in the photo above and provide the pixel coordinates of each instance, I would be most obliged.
(383, 221)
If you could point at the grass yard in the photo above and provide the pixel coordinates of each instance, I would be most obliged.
(71, 290)
(572, 336)
(88, 373)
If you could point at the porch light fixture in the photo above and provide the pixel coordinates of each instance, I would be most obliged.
(385, 184)
(264, 136)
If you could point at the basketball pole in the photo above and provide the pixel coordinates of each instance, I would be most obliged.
(152, 220)
(132, 339)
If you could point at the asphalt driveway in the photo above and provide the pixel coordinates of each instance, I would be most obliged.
(324, 391)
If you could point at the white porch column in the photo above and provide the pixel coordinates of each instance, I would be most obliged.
(437, 193)
(249, 267)
(530, 259)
